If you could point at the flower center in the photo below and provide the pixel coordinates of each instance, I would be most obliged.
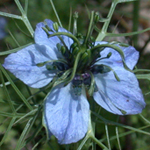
(78, 81)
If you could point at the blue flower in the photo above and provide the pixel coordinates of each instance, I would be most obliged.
(77, 70)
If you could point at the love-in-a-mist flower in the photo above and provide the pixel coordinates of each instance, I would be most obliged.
(77, 67)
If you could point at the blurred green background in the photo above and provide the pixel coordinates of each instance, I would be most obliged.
(128, 17)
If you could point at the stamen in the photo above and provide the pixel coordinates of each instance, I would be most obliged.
(66, 34)
(55, 26)
(77, 85)
(114, 47)
(91, 27)
(92, 84)
(108, 56)
(103, 69)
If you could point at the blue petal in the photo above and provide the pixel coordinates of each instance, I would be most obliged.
(68, 41)
(130, 53)
(41, 37)
(66, 115)
(23, 65)
(119, 97)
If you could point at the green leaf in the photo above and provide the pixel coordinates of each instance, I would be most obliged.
(14, 50)
(141, 70)
(8, 130)
(16, 89)
(124, 1)
(127, 34)
(28, 128)
(121, 125)
(7, 94)
(143, 76)
(10, 15)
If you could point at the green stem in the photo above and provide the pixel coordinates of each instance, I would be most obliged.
(10, 15)
(90, 134)
(121, 125)
(16, 89)
(31, 113)
(7, 94)
(54, 9)
(107, 135)
(147, 121)
(14, 38)
(83, 142)
(28, 25)
(8, 130)
(19, 6)
(66, 34)
(100, 144)
(75, 29)
(14, 50)
(70, 20)
(136, 5)
(21, 142)
(90, 29)
(115, 74)
(17, 115)
(92, 86)
(75, 66)
(26, 6)
(102, 34)
(24, 18)
(117, 136)
(127, 34)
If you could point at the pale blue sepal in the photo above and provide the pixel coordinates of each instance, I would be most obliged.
(130, 53)
(42, 38)
(24, 65)
(66, 115)
(68, 41)
(119, 97)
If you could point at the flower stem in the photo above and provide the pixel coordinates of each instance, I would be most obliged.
(10, 15)
(54, 9)
(70, 20)
(24, 18)
(102, 34)
(90, 134)
(99, 143)
(90, 29)
(127, 34)
(66, 34)
(26, 6)
(75, 17)
(16, 89)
